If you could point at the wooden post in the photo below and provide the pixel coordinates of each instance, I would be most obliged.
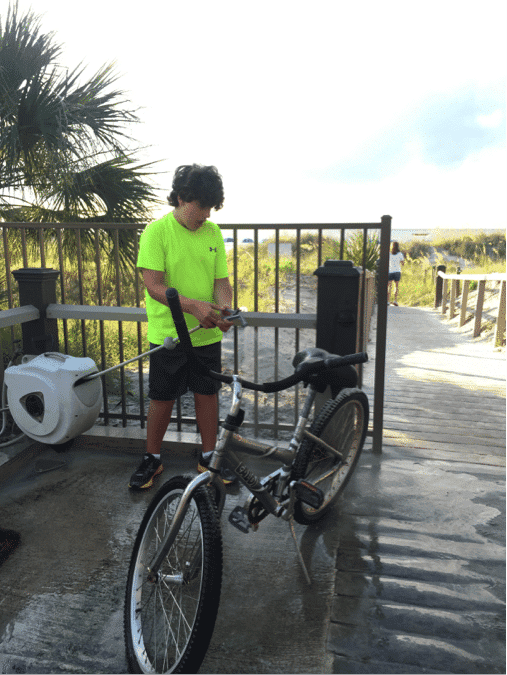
(464, 300)
(444, 296)
(500, 322)
(438, 285)
(452, 302)
(478, 308)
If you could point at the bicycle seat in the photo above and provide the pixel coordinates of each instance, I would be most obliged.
(337, 378)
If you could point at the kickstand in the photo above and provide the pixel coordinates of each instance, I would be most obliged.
(291, 525)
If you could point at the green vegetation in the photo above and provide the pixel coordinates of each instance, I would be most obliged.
(483, 252)
(289, 266)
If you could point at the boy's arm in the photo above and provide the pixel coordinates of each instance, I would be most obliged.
(222, 293)
(204, 312)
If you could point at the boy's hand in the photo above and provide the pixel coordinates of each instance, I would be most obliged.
(206, 314)
(224, 324)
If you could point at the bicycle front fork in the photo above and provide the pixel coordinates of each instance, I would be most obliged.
(168, 540)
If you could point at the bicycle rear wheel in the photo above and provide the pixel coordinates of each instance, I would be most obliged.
(342, 424)
(169, 622)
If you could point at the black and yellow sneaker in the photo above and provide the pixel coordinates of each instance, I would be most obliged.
(226, 475)
(143, 476)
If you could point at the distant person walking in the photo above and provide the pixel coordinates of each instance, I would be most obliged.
(396, 260)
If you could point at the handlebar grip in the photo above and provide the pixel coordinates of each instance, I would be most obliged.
(173, 300)
(347, 360)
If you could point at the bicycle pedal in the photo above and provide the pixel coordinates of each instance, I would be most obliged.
(239, 518)
(309, 494)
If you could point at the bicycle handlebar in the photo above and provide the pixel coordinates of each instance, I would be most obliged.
(304, 371)
(173, 300)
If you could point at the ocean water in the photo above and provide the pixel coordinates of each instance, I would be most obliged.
(434, 233)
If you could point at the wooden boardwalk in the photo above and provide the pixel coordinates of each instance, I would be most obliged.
(420, 566)
(444, 391)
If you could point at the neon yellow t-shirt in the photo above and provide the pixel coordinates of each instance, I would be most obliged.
(191, 261)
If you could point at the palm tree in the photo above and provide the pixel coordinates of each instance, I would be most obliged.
(64, 153)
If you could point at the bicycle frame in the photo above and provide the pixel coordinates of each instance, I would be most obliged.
(227, 445)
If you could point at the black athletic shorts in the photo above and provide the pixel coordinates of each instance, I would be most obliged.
(170, 375)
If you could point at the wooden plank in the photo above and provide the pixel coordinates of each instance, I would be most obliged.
(399, 439)
(473, 420)
(458, 433)
(494, 276)
(415, 397)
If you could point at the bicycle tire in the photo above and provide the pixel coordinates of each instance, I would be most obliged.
(168, 627)
(342, 423)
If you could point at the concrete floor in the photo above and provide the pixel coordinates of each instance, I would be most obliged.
(61, 600)
(408, 571)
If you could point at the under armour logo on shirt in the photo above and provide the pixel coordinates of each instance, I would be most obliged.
(212, 249)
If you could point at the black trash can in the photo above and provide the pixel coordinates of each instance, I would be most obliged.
(337, 306)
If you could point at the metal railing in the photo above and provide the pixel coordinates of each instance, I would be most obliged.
(459, 291)
(113, 293)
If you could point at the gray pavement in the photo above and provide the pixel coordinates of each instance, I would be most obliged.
(408, 573)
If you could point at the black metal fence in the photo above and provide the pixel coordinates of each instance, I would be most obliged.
(92, 275)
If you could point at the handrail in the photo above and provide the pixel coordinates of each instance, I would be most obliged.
(11, 317)
(107, 313)
(441, 290)
(494, 276)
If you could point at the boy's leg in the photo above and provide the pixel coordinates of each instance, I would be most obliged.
(165, 384)
(159, 416)
(206, 413)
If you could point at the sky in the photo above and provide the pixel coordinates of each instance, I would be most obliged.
(313, 112)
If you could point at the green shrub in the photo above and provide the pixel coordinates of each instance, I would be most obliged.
(354, 250)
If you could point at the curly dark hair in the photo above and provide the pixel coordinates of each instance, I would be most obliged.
(395, 248)
(196, 182)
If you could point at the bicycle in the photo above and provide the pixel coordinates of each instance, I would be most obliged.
(175, 573)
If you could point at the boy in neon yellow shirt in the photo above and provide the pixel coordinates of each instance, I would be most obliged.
(184, 250)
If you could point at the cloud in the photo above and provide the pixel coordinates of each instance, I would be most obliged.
(443, 131)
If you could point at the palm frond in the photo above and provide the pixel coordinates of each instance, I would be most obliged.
(64, 143)
(23, 52)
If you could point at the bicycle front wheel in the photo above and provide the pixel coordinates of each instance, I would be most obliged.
(169, 622)
(342, 424)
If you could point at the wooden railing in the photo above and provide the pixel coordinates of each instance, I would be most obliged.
(450, 287)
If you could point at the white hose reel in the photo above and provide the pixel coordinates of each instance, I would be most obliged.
(48, 398)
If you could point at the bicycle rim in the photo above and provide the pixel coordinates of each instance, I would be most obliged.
(169, 623)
